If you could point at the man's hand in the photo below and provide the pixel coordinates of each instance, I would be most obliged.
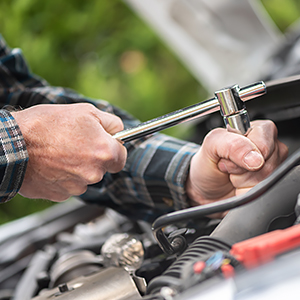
(229, 164)
(69, 146)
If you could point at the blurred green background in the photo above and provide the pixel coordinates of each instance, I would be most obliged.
(103, 50)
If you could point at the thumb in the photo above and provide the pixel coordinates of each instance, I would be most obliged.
(233, 151)
(111, 123)
(253, 160)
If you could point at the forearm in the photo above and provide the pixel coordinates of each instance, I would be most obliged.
(156, 169)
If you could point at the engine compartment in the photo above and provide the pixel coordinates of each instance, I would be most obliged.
(78, 251)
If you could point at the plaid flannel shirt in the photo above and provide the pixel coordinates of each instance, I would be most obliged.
(152, 181)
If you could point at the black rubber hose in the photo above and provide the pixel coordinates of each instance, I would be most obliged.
(273, 210)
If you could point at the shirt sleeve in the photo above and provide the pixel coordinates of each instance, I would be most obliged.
(153, 179)
(13, 156)
(152, 182)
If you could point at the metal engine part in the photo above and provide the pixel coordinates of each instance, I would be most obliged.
(74, 264)
(123, 250)
(111, 283)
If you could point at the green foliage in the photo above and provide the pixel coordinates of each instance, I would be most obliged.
(102, 50)
(283, 12)
(20, 206)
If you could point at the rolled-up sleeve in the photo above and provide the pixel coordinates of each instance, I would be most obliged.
(13, 156)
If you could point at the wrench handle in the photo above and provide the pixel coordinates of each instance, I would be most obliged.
(231, 104)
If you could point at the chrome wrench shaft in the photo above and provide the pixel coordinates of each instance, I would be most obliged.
(195, 111)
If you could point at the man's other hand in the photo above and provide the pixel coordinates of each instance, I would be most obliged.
(229, 164)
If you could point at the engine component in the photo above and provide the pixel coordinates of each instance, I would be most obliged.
(241, 223)
(27, 287)
(74, 264)
(264, 248)
(179, 271)
(111, 283)
(276, 280)
(273, 210)
(123, 250)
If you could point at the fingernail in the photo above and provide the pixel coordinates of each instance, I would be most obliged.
(253, 159)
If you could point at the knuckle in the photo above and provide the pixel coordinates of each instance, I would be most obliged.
(264, 123)
(268, 129)
(212, 137)
(265, 150)
(94, 177)
(213, 133)
(118, 124)
(59, 197)
(284, 150)
(267, 122)
(271, 127)
(237, 144)
(111, 157)
(270, 124)
(77, 189)
(75, 186)
(87, 106)
(87, 110)
(107, 153)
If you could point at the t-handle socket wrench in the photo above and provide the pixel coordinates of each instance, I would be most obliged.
(229, 100)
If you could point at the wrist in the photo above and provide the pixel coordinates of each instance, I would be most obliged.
(194, 197)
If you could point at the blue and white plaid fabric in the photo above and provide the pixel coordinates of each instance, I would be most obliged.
(13, 156)
(153, 179)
